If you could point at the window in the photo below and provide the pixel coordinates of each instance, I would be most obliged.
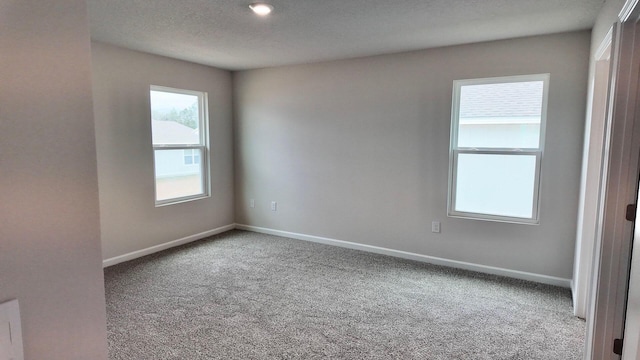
(497, 142)
(179, 133)
(191, 157)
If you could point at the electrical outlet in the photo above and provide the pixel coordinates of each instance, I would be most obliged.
(435, 226)
(274, 206)
(10, 331)
(252, 203)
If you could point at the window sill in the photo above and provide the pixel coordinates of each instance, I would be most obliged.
(494, 218)
(181, 200)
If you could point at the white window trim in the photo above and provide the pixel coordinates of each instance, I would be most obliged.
(203, 118)
(454, 150)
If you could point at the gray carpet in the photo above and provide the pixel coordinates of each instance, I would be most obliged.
(242, 295)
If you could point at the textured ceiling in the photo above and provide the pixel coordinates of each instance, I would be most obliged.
(226, 34)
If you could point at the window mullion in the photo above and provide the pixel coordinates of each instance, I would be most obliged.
(176, 147)
(498, 152)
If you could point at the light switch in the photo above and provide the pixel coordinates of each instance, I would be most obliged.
(10, 331)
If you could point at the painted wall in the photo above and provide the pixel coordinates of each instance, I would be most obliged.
(130, 221)
(358, 150)
(49, 223)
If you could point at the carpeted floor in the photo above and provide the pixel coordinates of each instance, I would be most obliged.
(242, 295)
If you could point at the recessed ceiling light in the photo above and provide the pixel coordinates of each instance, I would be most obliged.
(261, 9)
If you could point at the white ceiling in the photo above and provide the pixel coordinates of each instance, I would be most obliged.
(226, 34)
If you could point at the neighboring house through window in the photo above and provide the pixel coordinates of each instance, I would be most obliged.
(497, 142)
(180, 144)
(191, 157)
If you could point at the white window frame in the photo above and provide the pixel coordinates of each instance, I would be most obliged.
(455, 150)
(203, 146)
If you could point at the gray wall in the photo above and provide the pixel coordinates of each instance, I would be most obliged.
(130, 221)
(49, 224)
(357, 150)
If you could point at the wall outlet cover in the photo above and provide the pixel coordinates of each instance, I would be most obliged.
(435, 226)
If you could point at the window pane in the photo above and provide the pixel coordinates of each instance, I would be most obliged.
(175, 118)
(504, 115)
(174, 178)
(188, 157)
(501, 185)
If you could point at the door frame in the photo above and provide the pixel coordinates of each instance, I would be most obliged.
(620, 187)
(592, 177)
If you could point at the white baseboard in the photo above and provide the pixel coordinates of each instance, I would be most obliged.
(544, 279)
(154, 249)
